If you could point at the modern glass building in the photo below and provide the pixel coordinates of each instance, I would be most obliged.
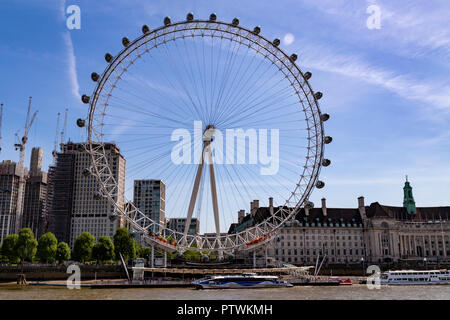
(150, 197)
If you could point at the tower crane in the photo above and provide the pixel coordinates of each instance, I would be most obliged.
(63, 131)
(56, 140)
(21, 145)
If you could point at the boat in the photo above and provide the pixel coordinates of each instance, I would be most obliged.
(346, 282)
(243, 281)
(415, 277)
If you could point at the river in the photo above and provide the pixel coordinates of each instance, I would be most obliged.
(357, 291)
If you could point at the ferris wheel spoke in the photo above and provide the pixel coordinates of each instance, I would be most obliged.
(143, 108)
(178, 76)
(190, 72)
(174, 91)
(188, 101)
(235, 83)
(121, 103)
(204, 104)
(244, 108)
(218, 83)
(257, 101)
(226, 79)
(251, 87)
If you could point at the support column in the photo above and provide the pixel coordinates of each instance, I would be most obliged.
(165, 259)
(430, 246)
(198, 176)
(212, 178)
(443, 244)
(152, 262)
(254, 259)
(424, 250)
(266, 257)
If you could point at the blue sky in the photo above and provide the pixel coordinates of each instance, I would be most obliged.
(387, 90)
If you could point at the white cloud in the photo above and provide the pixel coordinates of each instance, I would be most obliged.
(288, 38)
(433, 93)
(70, 58)
(71, 65)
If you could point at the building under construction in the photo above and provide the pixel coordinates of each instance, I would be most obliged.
(60, 195)
(9, 189)
(35, 195)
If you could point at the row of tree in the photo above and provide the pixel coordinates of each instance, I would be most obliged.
(24, 247)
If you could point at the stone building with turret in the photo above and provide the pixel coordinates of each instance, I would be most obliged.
(372, 233)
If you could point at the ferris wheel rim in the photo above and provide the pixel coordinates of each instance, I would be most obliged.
(258, 230)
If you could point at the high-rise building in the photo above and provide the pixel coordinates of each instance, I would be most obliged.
(59, 197)
(9, 185)
(150, 198)
(178, 224)
(74, 209)
(35, 195)
(89, 214)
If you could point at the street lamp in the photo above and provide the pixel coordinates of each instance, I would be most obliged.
(425, 263)
(364, 269)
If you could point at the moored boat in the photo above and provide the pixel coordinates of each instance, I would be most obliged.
(415, 277)
(244, 281)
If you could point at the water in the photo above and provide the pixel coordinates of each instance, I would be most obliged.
(295, 293)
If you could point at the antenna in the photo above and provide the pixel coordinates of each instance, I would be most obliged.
(21, 145)
(63, 131)
(56, 140)
(1, 117)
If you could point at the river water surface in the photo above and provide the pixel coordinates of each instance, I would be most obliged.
(296, 293)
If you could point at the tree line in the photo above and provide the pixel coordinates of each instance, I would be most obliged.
(23, 247)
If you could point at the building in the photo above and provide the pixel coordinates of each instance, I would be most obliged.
(9, 189)
(74, 209)
(178, 224)
(60, 197)
(35, 196)
(372, 234)
(150, 198)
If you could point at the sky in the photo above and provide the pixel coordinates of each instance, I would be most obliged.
(387, 90)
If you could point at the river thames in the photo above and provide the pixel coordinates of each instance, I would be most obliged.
(354, 292)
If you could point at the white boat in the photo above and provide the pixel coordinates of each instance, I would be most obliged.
(243, 281)
(415, 277)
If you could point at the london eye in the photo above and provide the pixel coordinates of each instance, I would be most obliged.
(219, 113)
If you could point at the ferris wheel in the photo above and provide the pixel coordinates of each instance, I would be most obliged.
(219, 114)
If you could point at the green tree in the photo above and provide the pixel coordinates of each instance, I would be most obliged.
(146, 253)
(26, 245)
(46, 249)
(9, 252)
(103, 250)
(192, 254)
(82, 249)
(139, 249)
(124, 244)
(62, 252)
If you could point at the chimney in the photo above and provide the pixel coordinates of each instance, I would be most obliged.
(241, 214)
(251, 208)
(255, 206)
(362, 207)
(324, 207)
(271, 205)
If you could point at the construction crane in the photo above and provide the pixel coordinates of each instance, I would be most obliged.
(21, 145)
(1, 118)
(63, 131)
(56, 140)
